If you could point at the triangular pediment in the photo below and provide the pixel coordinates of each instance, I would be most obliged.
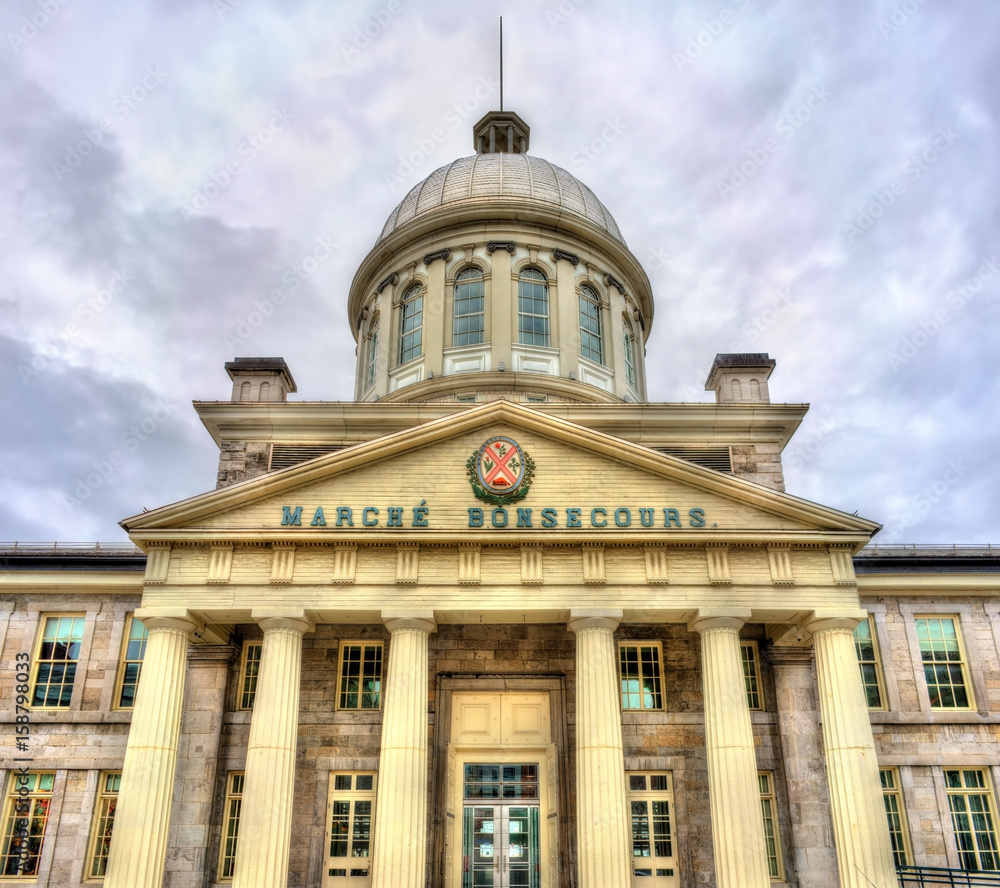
(417, 483)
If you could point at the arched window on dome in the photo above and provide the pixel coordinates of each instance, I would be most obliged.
(591, 342)
(470, 304)
(629, 334)
(532, 308)
(411, 324)
(371, 343)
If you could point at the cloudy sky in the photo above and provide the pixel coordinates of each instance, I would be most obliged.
(816, 181)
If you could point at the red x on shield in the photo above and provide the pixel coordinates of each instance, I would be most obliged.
(500, 465)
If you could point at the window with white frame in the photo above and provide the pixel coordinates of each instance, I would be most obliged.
(360, 675)
(751, 674)
(56, 660)
(591, 341)
(468, 323)
(231, 824)
(769, 814)
(866, 648)
(970, 800)
(29, 800)
(350, 818)
(411, 324)
(895, 813)
(249, 670)
(130, 666)
(641, 676)
(944, 662)
(103, 824)
(532, 308)
(371, 343)
(628, 341)
(651, 812)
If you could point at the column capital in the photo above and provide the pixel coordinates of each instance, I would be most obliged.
(825, 621)
(422, 620)
(177, 618)
(594, 618)
(786, 655)
(293, 618)
(714, 618)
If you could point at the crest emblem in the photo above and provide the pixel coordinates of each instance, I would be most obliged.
(500, 472)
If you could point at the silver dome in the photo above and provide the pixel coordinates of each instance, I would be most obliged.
(484, 177)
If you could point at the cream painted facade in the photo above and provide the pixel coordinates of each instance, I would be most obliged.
(632, 660)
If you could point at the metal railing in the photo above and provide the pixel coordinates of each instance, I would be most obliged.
(57, 548)
(920, 876)
(986, 549)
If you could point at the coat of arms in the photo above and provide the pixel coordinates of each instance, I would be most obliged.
(500, 472)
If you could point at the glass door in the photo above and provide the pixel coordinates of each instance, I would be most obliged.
(500, 847)
(650, 800)
(500, 827)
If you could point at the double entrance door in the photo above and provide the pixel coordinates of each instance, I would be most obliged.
(500, 832)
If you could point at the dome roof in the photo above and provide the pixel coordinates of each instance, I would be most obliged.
(502, 176)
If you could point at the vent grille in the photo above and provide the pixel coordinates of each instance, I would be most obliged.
(285, 455)
(717, 458)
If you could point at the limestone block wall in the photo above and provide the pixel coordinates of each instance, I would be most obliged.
(921, 741)
(242, 460)
(759, 462)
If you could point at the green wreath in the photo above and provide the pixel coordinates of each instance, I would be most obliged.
(500, 499)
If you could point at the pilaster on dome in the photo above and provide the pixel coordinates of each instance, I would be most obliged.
(501, 132)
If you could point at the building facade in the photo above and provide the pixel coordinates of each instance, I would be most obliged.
(501, 622)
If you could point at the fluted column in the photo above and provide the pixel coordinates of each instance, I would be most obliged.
(734, 792)
(860, 830)
(603, 848)
(138, 851)
(399, 857)
(268, 787)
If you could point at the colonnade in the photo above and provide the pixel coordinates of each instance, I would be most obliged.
(138, 850)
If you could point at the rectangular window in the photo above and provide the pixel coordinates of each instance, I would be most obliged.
(55, 661)
(944, 663)
(133, 651)
(360, 675)
(769, 812)
(349, 818)
(650, 801)
(751, 674)
(868, 662)
(971, 803)
(895, 813)
(470, 308)
(230, 824)
(104, 821)
(29, 799)
(640, 676)
(532, 308)
(249, 668)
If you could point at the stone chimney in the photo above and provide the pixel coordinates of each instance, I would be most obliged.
(740, 379)
(260, 379)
